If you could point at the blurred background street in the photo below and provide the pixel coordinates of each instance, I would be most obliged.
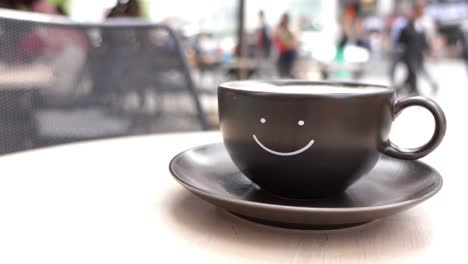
(129, 73)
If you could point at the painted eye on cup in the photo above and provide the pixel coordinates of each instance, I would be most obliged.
(301, 122)
(263, 120)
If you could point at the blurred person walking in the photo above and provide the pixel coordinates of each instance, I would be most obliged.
(38, 6)
(264, 41)
(129, 8)
(413, 44)
(463, 38)
(396, 28)
(286, 43)
(50, 42)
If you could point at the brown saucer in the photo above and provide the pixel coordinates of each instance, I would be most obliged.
(392, 186)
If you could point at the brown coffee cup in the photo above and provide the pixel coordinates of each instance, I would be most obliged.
(301, 139)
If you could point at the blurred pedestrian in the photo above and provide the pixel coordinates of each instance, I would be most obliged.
(413, 43)
(286, 42)
(38, 6)
(264, 42)
(397, 55)
(129, 8)
(463, 38)
(361, 35)
(42, 41)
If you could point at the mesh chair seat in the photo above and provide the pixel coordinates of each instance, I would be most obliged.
(62, 81)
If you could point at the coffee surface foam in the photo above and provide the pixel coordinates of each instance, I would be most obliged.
(304, 88)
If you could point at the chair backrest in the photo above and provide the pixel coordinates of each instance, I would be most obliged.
(62, 81)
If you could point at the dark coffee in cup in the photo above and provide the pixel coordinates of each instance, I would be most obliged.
(302, 139)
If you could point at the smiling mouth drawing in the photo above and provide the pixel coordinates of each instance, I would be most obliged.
(284, 153)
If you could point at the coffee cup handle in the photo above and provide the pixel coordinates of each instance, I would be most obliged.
(440, 127)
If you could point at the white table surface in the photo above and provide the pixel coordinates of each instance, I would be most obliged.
(114, 201)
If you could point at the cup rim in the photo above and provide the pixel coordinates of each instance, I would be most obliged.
(380, 89)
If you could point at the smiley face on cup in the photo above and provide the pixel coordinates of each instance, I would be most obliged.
(291, 153)
(308, 139)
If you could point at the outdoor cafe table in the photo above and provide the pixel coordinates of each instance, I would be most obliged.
(114, 201)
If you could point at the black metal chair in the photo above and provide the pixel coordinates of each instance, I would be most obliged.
(62, 81)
